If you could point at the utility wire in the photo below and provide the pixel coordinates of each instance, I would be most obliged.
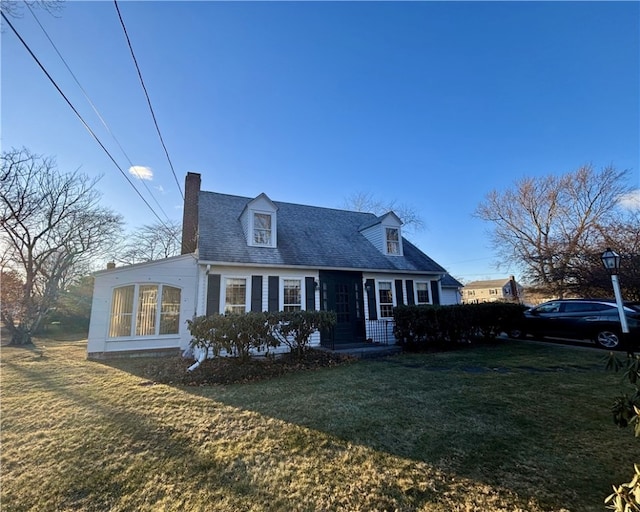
(155, 122)
(95, 109)
(88, 128)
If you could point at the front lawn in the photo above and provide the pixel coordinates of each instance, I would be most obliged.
(511, 427)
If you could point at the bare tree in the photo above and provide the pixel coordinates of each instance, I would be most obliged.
(151, 242)
(15, 8)
(546, 225)
(366, 202)
(51, 226)
(589, 278)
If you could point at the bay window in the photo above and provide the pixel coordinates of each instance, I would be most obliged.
(155, 308)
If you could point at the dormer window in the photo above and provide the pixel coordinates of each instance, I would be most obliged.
(262, 233)
(384, 232)
(393, 240)
(260, 223)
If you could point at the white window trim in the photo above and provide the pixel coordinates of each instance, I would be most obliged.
(134, 312)
(393, 297)
(223, 292)
(303, 295)
(274, 231)
(386, 241)
(415, 292)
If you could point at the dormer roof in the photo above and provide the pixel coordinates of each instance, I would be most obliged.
(389, 218)
(308, 236)
(261, 202)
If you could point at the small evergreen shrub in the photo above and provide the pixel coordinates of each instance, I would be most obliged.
(419, 328)
(241, 335)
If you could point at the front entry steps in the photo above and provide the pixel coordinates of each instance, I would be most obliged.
(364, 350)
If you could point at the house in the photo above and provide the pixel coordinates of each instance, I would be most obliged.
(245, 254)
(493, 290)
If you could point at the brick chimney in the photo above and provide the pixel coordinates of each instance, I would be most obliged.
(190, 213)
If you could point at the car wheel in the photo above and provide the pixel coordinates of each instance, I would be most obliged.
(607, 339)
(518, 334)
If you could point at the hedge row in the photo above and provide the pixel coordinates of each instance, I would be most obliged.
(421, 327)
(241, 335)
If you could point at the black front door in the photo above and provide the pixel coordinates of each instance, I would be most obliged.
(342, 292)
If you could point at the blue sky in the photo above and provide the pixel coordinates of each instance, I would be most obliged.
(429, 104)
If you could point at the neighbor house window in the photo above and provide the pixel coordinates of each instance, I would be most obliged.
(292, 295)
(422, 293)
(386, 299)
(393, 240)
(156, 309)
(262, 229)
(236, 296)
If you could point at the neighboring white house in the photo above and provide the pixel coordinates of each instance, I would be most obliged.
(506, 289)
(253, 254)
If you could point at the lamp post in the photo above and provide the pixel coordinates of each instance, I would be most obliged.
(611, 261)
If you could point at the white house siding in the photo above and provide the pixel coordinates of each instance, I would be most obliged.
(375, 235)
(179, 271)
(449, 296)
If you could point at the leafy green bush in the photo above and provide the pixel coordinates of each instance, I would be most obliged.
(418, 328)
(241, 335)
(626, 411)
(294, 328)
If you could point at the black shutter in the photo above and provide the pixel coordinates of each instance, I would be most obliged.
(435, 294)
(399, 298)
(410, 295)
(213, 294)
(256, 293)
(274, 283)
(310, 293)
(370, 285)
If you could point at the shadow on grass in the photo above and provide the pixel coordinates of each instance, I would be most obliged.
(174, 451)
(492, 427)
(493, 421)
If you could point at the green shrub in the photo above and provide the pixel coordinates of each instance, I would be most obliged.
(419, 328)
(241, 335)
(237, 335)
(294, 328)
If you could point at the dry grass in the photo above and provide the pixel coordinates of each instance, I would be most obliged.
(507, 428)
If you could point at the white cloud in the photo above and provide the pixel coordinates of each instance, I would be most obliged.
(141, 172)
(631, 200)
(160, 189)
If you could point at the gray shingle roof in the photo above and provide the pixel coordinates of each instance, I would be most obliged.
(307, 236)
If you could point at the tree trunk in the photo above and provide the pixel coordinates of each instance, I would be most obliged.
(20, 337)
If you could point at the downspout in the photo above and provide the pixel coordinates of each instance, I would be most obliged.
(201, 357)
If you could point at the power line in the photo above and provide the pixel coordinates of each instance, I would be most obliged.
(84, 123)
(95, 109)
(144, 88)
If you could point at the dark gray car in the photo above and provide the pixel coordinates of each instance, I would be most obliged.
(581, 319)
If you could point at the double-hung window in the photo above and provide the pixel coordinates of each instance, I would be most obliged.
(385, 295)
(262, 231)
(235, 295)
(144, 310)
(292, 294)
(422, 293)
(393, 240)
